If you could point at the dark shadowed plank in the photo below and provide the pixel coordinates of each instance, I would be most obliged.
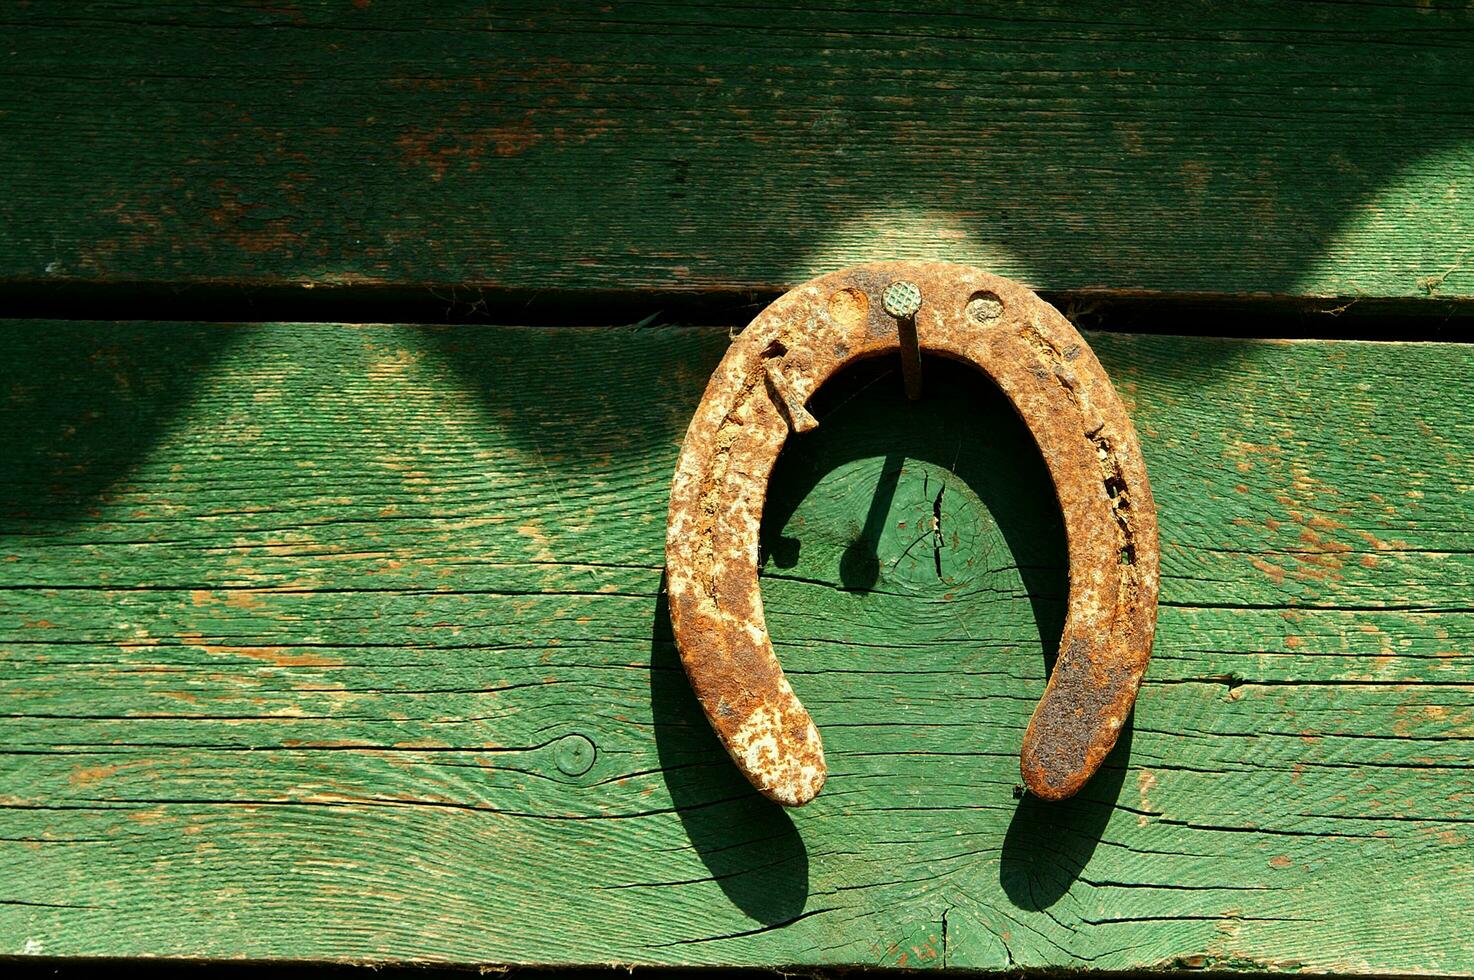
(1312, 149)
(329, 642)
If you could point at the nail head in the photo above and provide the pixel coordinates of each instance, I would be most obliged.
(901, 299)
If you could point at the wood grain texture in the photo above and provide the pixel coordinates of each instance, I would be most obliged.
(1309, 149)
(337, 642)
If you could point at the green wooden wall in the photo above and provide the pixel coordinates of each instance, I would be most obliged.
(334, 641)
(326, 641)
(1258, 147)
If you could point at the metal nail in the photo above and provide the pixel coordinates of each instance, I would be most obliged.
(902, 299)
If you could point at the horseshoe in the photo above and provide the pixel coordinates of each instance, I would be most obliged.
(757, 395)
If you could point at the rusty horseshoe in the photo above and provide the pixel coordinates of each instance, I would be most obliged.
(757, 395)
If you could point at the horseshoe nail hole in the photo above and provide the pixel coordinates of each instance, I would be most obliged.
(1115, 486)
(574, 755)
(848, 306)
(1128, 555)
(983, 307)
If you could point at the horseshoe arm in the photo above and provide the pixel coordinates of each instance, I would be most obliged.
(757, 395)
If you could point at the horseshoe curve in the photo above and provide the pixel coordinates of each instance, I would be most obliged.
(1059, 389)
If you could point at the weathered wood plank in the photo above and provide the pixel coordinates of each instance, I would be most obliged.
(1311, 149)
(346, 642)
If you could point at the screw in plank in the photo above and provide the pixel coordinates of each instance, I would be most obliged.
(574, 754)
(902, 299)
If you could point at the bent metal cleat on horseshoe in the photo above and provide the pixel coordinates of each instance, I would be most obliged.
(757, 395)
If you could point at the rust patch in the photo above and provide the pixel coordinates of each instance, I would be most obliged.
(757, 396)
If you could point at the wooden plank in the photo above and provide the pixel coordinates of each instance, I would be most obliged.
(336, 642)
(1313, 149)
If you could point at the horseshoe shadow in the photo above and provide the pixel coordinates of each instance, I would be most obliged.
(748, 844)
(1049, 844)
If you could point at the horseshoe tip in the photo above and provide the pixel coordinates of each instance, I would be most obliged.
(1039, 784)
(1058, 781)
(798, 787)
(779, 750)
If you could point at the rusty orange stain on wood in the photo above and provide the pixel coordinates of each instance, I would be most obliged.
(244, 600)
(184, 696)
(233, 224)
(1274, 572)
(277, 656)
(1146, 781)
(88, 775)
